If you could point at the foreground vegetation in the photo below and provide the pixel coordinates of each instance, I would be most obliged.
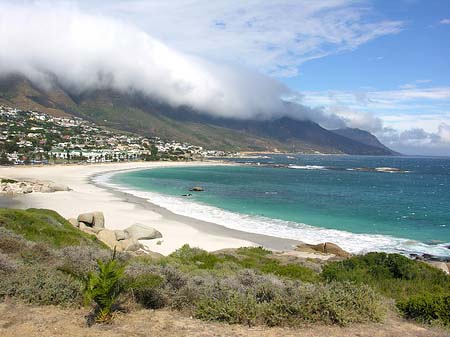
(44, 260)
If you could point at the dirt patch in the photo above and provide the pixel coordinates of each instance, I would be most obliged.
(17, 319)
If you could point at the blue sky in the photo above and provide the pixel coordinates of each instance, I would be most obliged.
(379, 65)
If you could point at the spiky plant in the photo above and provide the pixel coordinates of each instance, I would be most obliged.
(104, 287)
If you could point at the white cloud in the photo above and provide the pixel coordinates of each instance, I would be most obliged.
(414, 119)
(445, 22)
(272, 36)
(87, 51)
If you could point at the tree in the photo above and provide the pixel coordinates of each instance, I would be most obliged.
(4, 159)
(153, 152)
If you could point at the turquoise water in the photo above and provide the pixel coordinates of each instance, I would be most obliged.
(324, 193)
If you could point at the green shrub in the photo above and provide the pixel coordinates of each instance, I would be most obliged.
(195, 256)
(335, 303)
(427, 308)
(104, 287)
(256, 258)
(419, 289)
(393, 275)
(146, 290)
(45, 226)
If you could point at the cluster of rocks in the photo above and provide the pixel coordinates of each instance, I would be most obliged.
(324, 248)
(121, 240)
(12, 187)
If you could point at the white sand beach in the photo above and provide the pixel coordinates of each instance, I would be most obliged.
(122, 210)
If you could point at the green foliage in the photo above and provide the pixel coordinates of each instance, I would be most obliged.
(287, 304)
(394, 275)
(427, 308)
(45, 226)
(104, 287)
(412, 284)
(195, 256)
(145, 289)
(256, 258)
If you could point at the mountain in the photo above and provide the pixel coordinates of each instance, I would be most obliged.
(362, 136)
(147, 116)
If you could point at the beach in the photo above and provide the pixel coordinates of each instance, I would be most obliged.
(122, 210)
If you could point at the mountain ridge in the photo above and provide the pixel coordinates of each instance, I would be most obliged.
(147, 116)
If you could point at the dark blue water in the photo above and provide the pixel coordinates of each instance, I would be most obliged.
(315, 197)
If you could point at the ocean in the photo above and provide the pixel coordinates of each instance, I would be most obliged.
(362, 203)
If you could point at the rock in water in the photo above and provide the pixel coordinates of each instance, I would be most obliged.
(197, 189)
(87, 218)
(142, 232)
(99, 219)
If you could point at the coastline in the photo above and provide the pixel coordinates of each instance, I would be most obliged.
(122, 209)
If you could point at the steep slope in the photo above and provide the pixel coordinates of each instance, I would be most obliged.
(150, 117)
(362, 136)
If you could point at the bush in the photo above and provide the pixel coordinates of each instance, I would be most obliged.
(256, 258)
(393, 275)
(418, 288)
(290, 305)
(146, 290)
(7, 264)
(427, 308)
(78, 261)
(41, 285)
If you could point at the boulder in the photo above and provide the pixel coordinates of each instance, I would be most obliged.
(54, 187)
(439, 265)
(73, 222)
(326, 248)
(121, 235)
(87, 218)
(197, 189)
(130, 245)
(99, 219)
(96, 230)
(82, 226)
(305, 249)
(142, 232)
(109, 238)
(331, 248)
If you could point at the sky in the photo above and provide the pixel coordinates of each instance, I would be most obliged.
(382, 66)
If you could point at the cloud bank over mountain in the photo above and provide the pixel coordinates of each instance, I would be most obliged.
(221, 58)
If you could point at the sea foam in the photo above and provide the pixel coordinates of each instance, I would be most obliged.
(352, 242)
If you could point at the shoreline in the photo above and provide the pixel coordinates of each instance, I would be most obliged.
(122, 209)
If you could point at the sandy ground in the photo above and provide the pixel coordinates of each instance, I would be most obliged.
(120, 211)
(21, 320)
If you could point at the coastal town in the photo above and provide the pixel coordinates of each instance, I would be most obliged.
(31, 137)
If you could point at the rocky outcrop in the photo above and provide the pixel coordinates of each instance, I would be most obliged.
(14, 187)
(142, 232)
(325, 248)
(92, 219)
(122, 240)
(197, 189)
(440, 265)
